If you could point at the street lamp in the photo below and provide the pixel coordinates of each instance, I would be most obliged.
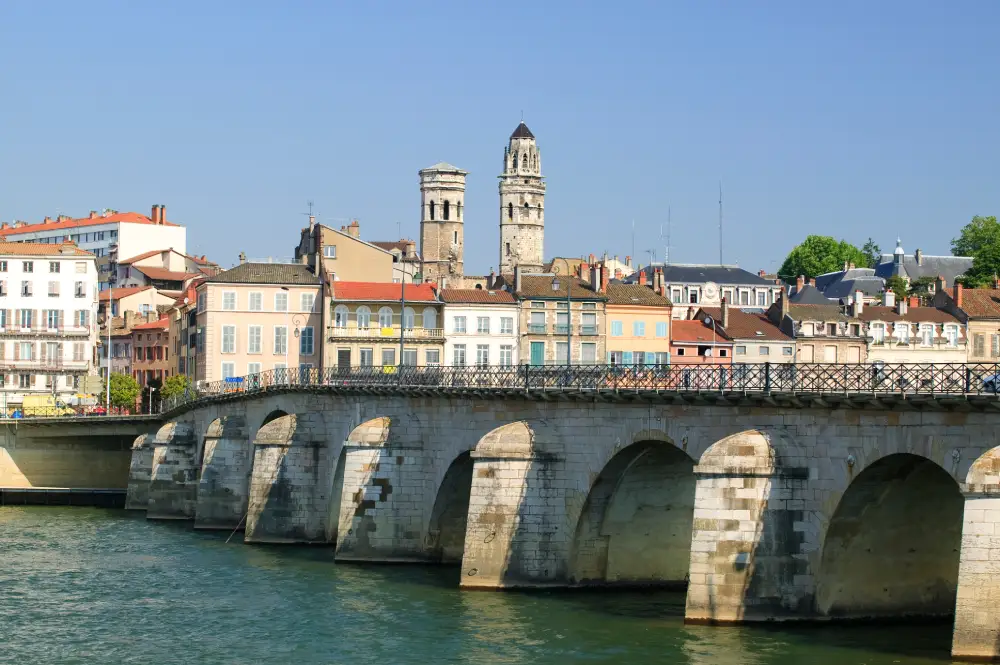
(569, 312)
(151, 391)
(709, 320)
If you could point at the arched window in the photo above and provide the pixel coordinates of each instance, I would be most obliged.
(527, 211)
(432, 209)
(534, 162)
(340, 316)
(508, 249)
(447, 210)
(430, 319)
(513, 162)
(385, 317)
(525, 163)
(364, 317)
(510, 211)
(458, 211)
(408, 316)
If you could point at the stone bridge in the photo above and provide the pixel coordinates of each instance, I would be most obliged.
(764, 508)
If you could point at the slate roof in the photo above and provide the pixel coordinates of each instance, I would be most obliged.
(635, 294)
(444, 166)
(948, 267)
(914, 314)
(477, 296)
(522, 132)
(809, 295)
(694, 332)
(266, 273)
(540, 286)
(41, 249)
(699, 274)
(383, 291)
(831, 312)
(981, 303)
(747, 325)
(843, 283)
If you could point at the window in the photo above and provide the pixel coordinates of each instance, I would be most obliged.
(588, 323)
(229, 300)
(281, 301)
(806, 329)
(80, 291)
(662, 358)
(926, 334)
(483, 325)
(693, 296)
(202, 302)
(459, 324)
(740, 350)
(228, 370)
(388, 357)
(26, 318)
(307, 301)
(409, 357)
(786, 351)
(3, 266)
(253, 368)
(28, 266)
(562, 353)
(762, 299)
(53, 289)
(831, 329)
(330, 251)
(23, 380)
(878, 333)
(340, 316)
(995, 346)
(253, 339)
(3, 288)
(432, 219)
(385, 318)
(617, 329)
(979, 345)
(228, 339)
(27, 351)
(363, 315)
(430, 318)
(764, 351)
(588, 353)
(615, 358)
(280, 339)
(3, 320)
(482, 355)
(367, 357)
(256, 302)
(589, 306)
(52, 319)
(458, 355)
(680, 351)
(26, 288)
(675, 295)
(902, 331)
(638, 328)
(744, 297)
(53, 266)
(455, 237)
(951, 334)
(537, 353)
(409, 316)
(506, 355)
(661, 328)
(82, 318)
(536, 323)
(307, 343)
(433, 356)
(856, 329)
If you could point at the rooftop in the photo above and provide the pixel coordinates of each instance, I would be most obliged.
(809, 295)
(915, 314)
(117, 294)
(160, 324)
(522, 132)
(41, 249)
(266, 273)
(981, 303)
(635, 294)
(694, 332)
(948, 267)
(477, 296)
(747, 325)
(700, 273)
(383, 292)
(153, 272)
(540, 286)
(94, 220)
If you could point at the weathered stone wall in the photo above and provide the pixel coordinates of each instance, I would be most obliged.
(173, 483)
(225, 476)
(139, 473)
(62, 456)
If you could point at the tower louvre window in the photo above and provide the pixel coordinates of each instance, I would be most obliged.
(510, 211)
(447, 210)
(527, 211)
(432, 210)
(525, 162)
(508, 249)
(513, 162)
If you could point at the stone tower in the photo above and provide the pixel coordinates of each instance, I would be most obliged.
(522, 204)
(442, 204)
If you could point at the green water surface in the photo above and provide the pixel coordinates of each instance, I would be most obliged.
(97, 586)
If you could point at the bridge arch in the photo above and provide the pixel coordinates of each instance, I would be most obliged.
(272, 415)
(892, 545)
(226, 465)
(635, 523)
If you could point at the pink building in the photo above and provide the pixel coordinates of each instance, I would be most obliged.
(694, 343)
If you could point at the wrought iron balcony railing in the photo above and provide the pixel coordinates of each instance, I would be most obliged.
(764, 378)
(387, 332)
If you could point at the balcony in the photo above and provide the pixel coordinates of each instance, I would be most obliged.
(64, 331)
(588, 330)
(387, 333)
(536, 328)
(35, 364)
(560, 329)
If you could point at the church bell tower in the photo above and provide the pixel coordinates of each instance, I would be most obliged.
(522, 204)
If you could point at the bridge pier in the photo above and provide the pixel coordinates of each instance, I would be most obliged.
(747, 562)
(225, 475)
(139, 473)
(173, 481)
(977, 607)
(291, 482)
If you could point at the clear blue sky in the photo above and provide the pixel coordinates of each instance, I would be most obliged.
(843, 118)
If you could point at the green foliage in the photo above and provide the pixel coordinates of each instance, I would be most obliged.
(124, 391)
(817, 255)
(921, 287)
(175, 385)
(873, 254)
(985, 267)
(897, 285)
(978, 234)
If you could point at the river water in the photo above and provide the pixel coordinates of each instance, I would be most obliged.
(84, 585)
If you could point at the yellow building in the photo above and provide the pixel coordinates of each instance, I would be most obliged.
(343, 254)
(364, 329)
(638, 328)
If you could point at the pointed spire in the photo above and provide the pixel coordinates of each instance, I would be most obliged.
(522, 132)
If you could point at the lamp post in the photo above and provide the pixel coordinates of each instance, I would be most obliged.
(402, 316)
(569, 312)
(288, 299)
(710, 320)
(151, 391)
(297, 321)
(109, 318)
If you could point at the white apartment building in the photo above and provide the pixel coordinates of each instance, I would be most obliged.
(125, 234)
(481, 328)
(48, 306)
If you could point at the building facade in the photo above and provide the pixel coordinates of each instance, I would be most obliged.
(48, 304)
(979, 311)
(901, 332)
(638, 325)
(166, 269)
(442, 227)
(151, 358)
(823, 333)
(522, 204)
(342, 254)
(692, 286)
(258, 317)
(562, 319)
(756, 339)
(481, 328)
(383, 325)
(695, 342)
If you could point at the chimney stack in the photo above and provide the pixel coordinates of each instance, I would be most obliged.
(129, 317)
(591, 259)
(784, 306)
(154, 215)
(800, 282)
(411, 249)
(996, 282)
(583, 271)
(761, 273)
(812, 281)
(919, 257)
(888, 298)
(93, 214)
(47, 220)
(939, 284)
(914, 301)
(618, 272)
(354, 230)
(493, 280)
(628, 261)
(958, 295)
(604, 278)
(163, 214)
(901, 306)
(725, 314)
(595, 276)
(642, 277)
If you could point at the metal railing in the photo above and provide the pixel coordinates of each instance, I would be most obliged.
(388, 332)
(763, 378)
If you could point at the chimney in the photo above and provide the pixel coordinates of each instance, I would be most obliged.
(996, 282)
(411, 249)
(725, 314)
(493, 280)
(63, 218)
(618, 272)
(888, 298)
(129, 317)
(812, 281)
(592, 259)
(163, 214)
(595, 276)
(243, 258)
(93, 214)
(628, 261)
(761, 273)
(859, 302)
(901, 306)
(604, 278)
(517, 278)
(583, 271)
(800, 282)
(939, 284)
(914, 301)
(642, 277)
(846, 264)
(851, 266)
(784, 306)
(958, 295)
(354, 230)
(312, 223)
(920, 257)
(154, 214)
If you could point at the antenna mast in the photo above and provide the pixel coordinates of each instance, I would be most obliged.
(720, 222)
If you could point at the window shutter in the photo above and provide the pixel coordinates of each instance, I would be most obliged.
(17, 351)
(59, 352)
(35, 325)
(44, 353)
(62, 321)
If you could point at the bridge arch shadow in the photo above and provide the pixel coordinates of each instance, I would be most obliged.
(892, 548)
(449, 515)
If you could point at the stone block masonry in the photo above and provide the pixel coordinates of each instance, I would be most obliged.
(173, 483)
(225, 476)
(139, 473)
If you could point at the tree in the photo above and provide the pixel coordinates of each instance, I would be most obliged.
(985, 267)
(175, 385)
(978, 234)
(897, 285)
(817, 255)
(124, 391)
(872, 252)
(921, 287)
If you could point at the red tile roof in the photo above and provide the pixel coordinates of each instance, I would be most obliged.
(153, 272)
(118, 217)
(41, 249)
(161, 324)
(694, 332)
(387, 291)
(980, 303)
(476, 296)
(106, 294)
(747, 325)
(142, 256)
